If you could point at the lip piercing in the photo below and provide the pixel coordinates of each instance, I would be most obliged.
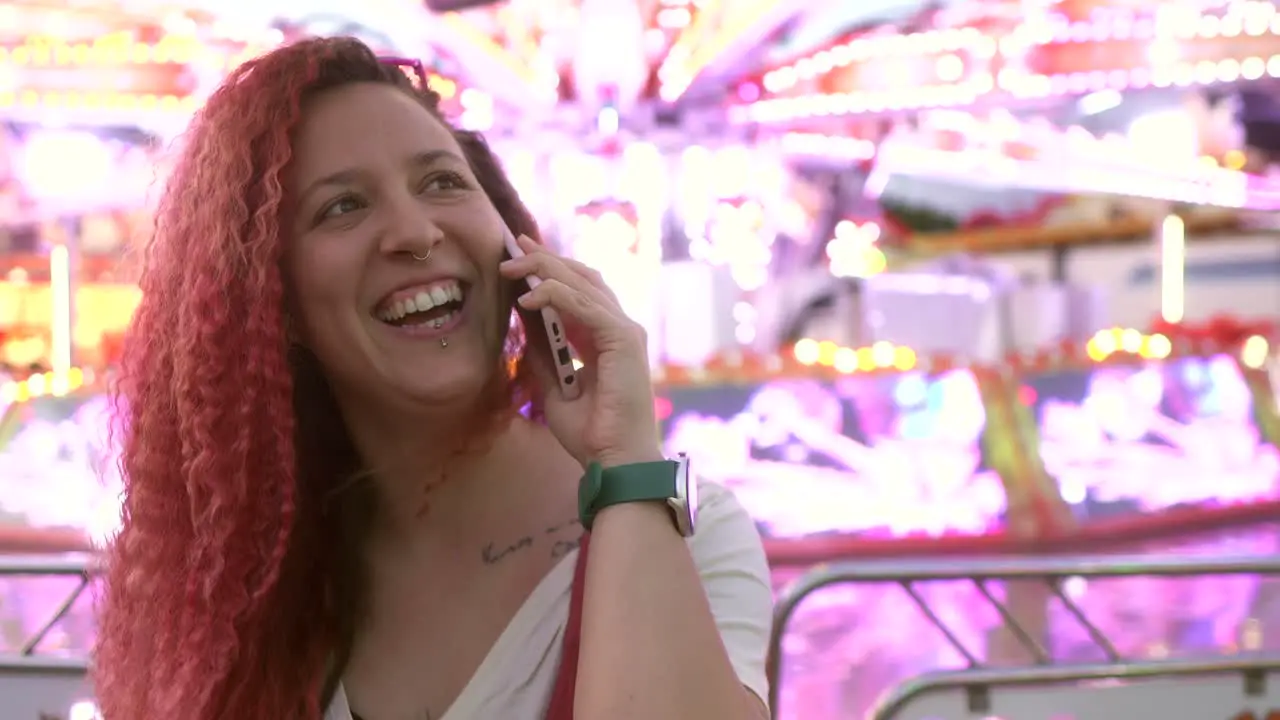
(444, 342)
(423, 258)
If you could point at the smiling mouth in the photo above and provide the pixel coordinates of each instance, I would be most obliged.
(432, 306)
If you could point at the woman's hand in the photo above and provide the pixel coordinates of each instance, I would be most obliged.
(612, 422)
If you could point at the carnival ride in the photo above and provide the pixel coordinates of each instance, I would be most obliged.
(891, 473)
(902, 478)
(765, 157)
(763, 137)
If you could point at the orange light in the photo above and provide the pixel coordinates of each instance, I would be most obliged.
(866, 359)
(827, 353)
(93, 99)
(846, 360)
(1102, 345)
(117, 49)
(882, 355)
(443, 85)
(807, 351)
(42, 384)
(904, 358)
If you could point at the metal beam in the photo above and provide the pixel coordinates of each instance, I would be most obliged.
(712, 47)
(412, 29)
(489, 66)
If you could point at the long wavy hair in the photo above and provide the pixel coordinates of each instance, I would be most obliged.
(235, 584)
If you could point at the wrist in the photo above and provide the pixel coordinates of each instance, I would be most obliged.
(643, 479)
(654, 512)
(630, 457)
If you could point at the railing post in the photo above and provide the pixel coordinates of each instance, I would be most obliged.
(1030, 583)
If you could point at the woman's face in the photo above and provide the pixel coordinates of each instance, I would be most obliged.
(376, 185)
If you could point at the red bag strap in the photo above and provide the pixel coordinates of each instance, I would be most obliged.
(567, 678)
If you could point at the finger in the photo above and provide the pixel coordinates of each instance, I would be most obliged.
(546, 266)
(592, 276)
(586, 273)
(530, 245)
(606, 326)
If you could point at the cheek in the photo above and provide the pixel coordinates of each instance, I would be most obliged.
(321, 279)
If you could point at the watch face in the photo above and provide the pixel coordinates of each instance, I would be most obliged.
(687, 485)
(692, 484)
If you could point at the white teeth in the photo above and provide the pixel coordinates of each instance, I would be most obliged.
(424, 300)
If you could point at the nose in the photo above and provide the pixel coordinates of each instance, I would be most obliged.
(410, 231)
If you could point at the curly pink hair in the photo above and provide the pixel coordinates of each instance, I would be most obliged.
(234, 586)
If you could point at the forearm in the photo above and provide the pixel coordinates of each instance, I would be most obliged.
(650, 647)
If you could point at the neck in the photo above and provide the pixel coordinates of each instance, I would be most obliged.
(436, 482)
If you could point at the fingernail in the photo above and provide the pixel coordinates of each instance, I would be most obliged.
(525, 298)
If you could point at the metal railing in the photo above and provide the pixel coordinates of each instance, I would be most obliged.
(976, 680)
(46, 685)
(974, 686)
(83, 567)
(978, 677)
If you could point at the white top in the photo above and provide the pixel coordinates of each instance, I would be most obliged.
(516, 677)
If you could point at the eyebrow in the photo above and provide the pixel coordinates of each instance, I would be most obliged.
(350, 175)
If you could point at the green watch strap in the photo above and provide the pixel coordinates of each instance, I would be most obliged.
(637, 482)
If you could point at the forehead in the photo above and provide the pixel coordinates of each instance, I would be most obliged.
(364, 124)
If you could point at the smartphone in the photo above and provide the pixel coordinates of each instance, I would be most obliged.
(553, 329)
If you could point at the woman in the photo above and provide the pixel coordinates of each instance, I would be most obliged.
(333, 505)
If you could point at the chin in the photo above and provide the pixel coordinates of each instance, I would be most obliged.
(408, 375)
(457, 382)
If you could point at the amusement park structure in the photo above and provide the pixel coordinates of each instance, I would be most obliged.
(972, 304)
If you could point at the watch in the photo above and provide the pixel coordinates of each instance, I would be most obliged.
(667, 481)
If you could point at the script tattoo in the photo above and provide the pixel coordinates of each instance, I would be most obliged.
(564, 547)
(567, 524)
(493, 553)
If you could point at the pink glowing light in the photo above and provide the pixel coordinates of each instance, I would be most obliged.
(883, 456)
(878, 457)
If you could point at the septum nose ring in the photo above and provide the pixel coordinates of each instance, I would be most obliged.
(422, 258)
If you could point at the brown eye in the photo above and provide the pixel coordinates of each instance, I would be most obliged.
(340, 207)
(445, 181)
